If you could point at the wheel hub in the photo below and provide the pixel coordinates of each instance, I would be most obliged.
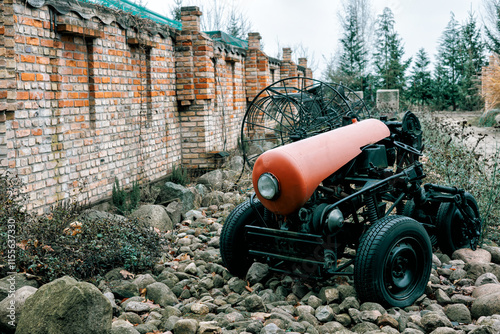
(402, 265)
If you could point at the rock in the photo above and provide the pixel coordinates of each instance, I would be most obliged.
(442, 297)
(458, 313)
(370, 316)
(486, 289)
(349, 302)
(185, 326)
(271, 329)
(235, 163)
(191, 268)
(253, 303)
(194, 214)
(257, 272)
(495, 253)
(468, 255)
(137, 307)
(11, 283)
(124, 289)
(174, 211)
(237, 285)
(66, 306)
(161, 294)
(199, 308)
(364, 327)
(476, 269)
(314, 302)
(12, 306)
(213, 198)
(171, 191)
(487, 278)
(369, 306)
(486, 305)
(329, 295)
(444, 330)
(436, 261)
(387, 320)
(209, 327)
(153, 216)
(143, 281)
(218, 179)
(123, 327)
(131, 317)
(432, 320)
(324, 313)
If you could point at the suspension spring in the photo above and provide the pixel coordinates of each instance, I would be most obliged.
(371, 209)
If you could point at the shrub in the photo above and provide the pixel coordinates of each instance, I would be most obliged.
(126, 202)
(487, 119)
(64, 242)
(451, 162)
(179, 176)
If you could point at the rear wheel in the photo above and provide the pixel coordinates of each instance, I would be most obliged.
(393, 262)
(452, 226)
(233, 246)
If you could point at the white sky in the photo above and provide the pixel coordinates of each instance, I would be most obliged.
(314, 23)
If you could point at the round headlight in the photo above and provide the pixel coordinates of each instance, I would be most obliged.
(268, 186)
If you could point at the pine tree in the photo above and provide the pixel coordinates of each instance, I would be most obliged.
(420, 90)
(353, 59)
(389, 52)
(175, 10)
(449, 66)
(493, 30)
(472, 54)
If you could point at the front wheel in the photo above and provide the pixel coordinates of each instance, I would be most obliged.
(233, 246)
(393, 262)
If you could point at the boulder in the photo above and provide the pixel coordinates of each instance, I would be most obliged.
(486, 289)
(174, 211)
(66, 306)
(213, 198)
(218, 179)
(11, 283)
(488, 278)
(486, 305)
(11, 308)
(458, 313)
(161, 294)
(468, 255)
(185, 326)
(432, 320)
(153, 216)
(92, 214)
(171, 191)
(495, 253)
(257, 272)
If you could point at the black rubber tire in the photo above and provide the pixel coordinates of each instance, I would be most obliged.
(393, 262)
(233, 246)
(450, 225)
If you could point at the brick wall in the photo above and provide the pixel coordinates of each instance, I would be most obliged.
(84, 98)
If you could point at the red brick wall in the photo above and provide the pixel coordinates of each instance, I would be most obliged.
(87, 99)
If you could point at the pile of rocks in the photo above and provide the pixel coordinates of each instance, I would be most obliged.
(190, 292)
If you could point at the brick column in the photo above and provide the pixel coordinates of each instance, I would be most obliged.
(308, 71)
(288, 67)
(257, 73)
(195, 88)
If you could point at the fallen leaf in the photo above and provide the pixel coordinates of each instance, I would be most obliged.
(126, 274)
(249, 288)
(22, 244)
(48, 248)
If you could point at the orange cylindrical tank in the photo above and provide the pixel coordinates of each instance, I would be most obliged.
(301, 166)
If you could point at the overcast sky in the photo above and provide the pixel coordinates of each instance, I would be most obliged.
(314, 23)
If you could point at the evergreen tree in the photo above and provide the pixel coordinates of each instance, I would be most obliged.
(389, 52)
(353, 58)
(237, 24)
(175, 10)
(420, 90)
(449, 66)
(472, 54)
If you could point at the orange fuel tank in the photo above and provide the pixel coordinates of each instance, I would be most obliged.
(301, 166)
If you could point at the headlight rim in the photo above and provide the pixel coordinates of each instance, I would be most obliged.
(276, 185)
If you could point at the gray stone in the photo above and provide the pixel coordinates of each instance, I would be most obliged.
(333, 327)
(364, 327)
(432, 320)
(495, 253)
(174, 211)
(11, 307)
(199, 308)
(271, 329)
(257, 272)
(191, 268)
(235, 163)
(349, 302)
(324, 313)
(66, 306)
(343, 318)
(137, 307)
(459, 313)
(213, 198)
(487, 278)
(185, 326)
(458, 274)
(253, 303)
(161, 294)
(11, 283)
(303, 309)
(329, 295)
(314, 302)
(486, 305)
(468, 255)
(209, 327)
(387, 320)
(476, 269)
(237, 285)
(486, 289)
(218, 179)
(123, 327)
(445, 330)
(153, 216)
(92, 214)
(370, 316)
(143, 281)
(442, 297)
(124, 289)
(131, 317)
(370, 306)
(346, 291)
(171, 191)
